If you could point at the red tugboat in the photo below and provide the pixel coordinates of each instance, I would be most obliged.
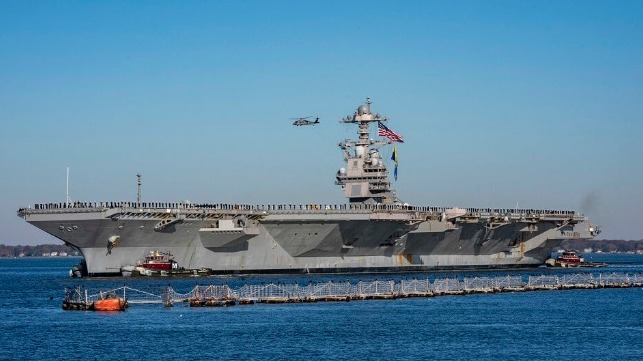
(569, 258)
(160, 261)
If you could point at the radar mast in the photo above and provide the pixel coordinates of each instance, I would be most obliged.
(364, 179)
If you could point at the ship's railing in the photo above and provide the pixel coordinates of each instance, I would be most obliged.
(499, 213)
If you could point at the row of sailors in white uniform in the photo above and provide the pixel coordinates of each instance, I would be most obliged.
(290, 207)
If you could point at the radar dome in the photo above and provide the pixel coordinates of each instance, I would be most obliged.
(363, 110)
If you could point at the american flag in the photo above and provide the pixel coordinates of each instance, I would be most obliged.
(384, 131)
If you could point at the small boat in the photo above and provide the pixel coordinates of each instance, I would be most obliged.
(126, 271)
(569, 258)
(79, 270)
(160, 261)
(109, 302)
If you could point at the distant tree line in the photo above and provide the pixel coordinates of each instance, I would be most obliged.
(606, 246)
(36, 251)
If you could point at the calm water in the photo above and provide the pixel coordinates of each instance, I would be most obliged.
(603, 324)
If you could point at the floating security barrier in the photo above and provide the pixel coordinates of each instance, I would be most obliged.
(223, 295)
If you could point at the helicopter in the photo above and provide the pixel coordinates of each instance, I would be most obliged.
(304, 121)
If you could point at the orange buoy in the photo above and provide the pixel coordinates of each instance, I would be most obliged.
(110, 304)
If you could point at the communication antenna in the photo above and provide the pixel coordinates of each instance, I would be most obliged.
(138, 195)
(68, 199)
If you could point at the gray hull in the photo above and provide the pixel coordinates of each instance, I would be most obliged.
(313, 240)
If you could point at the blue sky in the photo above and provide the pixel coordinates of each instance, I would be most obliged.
(500, 102)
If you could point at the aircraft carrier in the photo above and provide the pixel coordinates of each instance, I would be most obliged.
(372, 232)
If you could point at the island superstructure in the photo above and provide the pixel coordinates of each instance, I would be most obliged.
(372, 232)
